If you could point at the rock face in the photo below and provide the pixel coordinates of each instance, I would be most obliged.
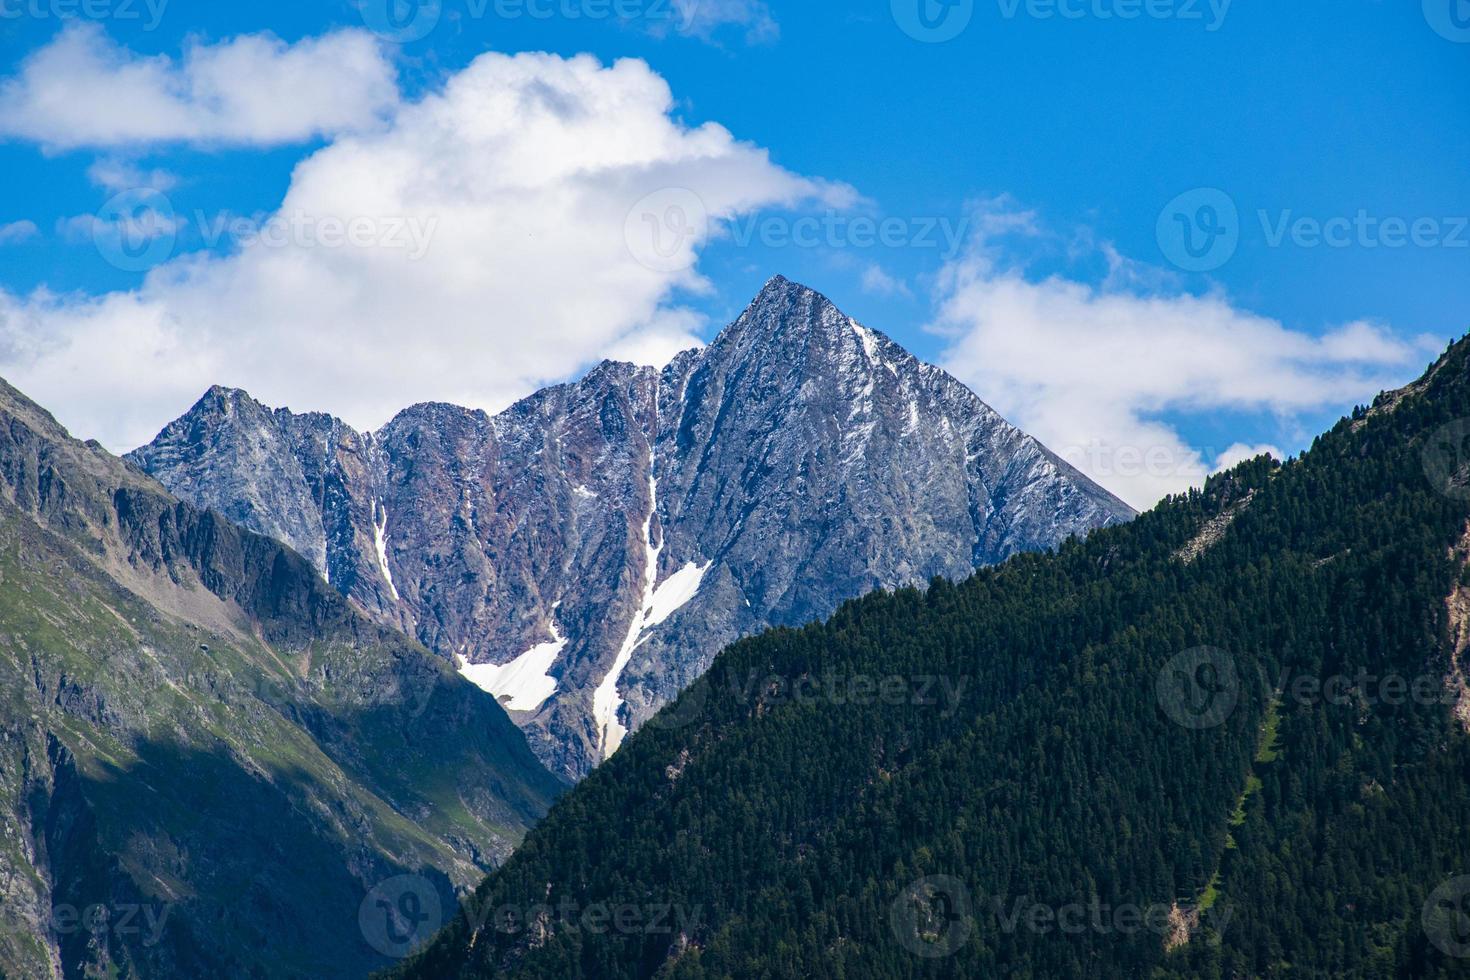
(585, 554)
(205, 742)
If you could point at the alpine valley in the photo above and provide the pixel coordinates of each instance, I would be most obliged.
(586, 553)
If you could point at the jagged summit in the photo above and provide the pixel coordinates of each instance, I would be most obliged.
(585, 553)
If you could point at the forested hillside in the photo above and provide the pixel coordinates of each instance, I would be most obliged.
(1221, 741)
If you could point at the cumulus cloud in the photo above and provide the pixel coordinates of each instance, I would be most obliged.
(1240, 452)
(877, 281)
(120, 175)
(1102, 373)
(18, 231)
(703, 18)
(533, 174)
(83, 90)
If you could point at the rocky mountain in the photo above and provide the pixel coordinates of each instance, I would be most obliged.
(1225, 740)
(209, 759)
(585, 554)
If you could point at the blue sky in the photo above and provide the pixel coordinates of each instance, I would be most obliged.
(1030, 170)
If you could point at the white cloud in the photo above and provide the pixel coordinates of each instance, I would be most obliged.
(877, 281)
(1102, 373)
(119, 175)
(703, 18)
(1240, 452)
(136, 229)
(527, 169)
(18, 231)
(83, 90)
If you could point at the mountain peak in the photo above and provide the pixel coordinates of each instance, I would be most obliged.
(796, 462)
(781, 293)
(782, 312)
(226, 395)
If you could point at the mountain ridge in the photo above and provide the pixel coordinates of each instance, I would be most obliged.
(797, 460)
(196, 726)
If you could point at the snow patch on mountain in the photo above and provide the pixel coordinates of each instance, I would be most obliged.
(606, 702)
(380, 542)
(674, 594)
(525, 683)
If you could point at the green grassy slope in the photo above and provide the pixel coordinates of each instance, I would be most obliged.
(205, 749)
